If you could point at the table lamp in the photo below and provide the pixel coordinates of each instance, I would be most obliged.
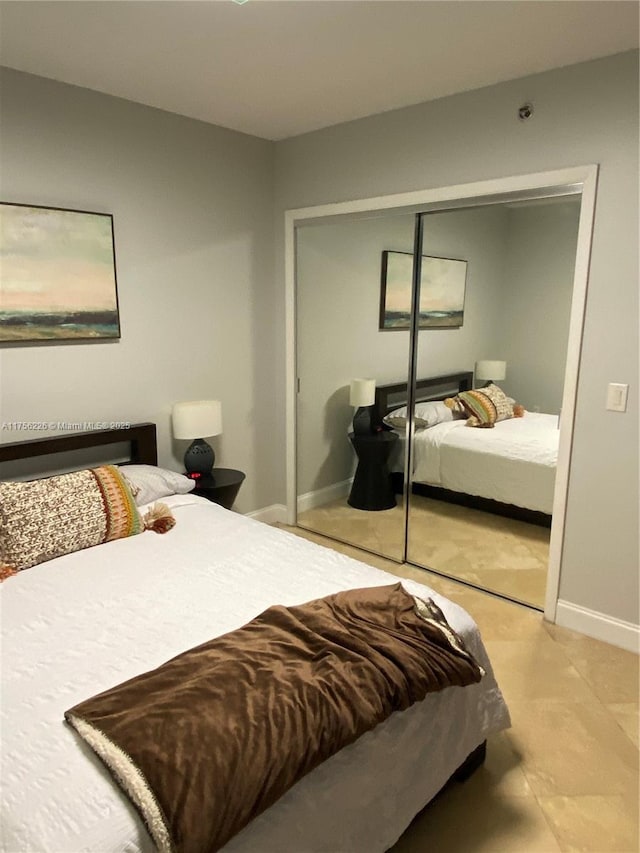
(362, 396)
(492, 371)
(194, 420)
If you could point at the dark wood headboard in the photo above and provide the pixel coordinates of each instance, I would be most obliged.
(390, 397)
(140, 437)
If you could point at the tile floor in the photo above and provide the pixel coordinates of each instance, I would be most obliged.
(496, 553)
(565, 776)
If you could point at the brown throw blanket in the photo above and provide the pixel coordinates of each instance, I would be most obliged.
(212, 738)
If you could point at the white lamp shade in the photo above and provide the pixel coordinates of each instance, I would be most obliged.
(197, 419)
(491, 369)
(362, 392)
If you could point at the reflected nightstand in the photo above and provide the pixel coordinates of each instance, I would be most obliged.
(372, 488)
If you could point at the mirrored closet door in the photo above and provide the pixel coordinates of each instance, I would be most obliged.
(344, 458)
(496, 287)
(431, 347)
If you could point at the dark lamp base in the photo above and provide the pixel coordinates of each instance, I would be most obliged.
(199, 458)
(363, 422)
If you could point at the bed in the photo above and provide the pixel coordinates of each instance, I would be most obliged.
(509, 470)
(80, 623)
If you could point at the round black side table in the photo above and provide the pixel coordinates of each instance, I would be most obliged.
(372, 488)
(221, 486)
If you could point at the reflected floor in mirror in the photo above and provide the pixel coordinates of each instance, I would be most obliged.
(381, 532)
(499, 554)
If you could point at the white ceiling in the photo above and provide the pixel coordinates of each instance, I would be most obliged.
(278, 68)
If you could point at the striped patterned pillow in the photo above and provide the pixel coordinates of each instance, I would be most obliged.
(47, 518)
(486, 406)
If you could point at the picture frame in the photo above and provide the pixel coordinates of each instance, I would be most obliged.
(58, 275)
(442, 292)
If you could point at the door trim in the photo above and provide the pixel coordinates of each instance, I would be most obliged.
(573, 179)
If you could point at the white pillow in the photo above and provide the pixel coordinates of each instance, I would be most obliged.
(426, 415)
(149, 483)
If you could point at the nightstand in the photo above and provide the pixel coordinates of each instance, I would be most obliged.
(372, 488)
(221, 486)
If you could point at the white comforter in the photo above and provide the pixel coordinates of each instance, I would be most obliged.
(85, 622)
(515, 462)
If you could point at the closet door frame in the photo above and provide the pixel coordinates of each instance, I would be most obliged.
(578, 179)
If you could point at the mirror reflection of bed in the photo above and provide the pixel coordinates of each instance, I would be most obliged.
(481, 498)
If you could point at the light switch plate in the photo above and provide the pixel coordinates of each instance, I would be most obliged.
(617, 397)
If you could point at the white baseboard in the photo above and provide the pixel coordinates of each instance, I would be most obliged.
(274, 514)
(310, 500)
(617, 632)
(277, 513)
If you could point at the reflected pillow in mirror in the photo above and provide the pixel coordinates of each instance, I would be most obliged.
(426, 414)
(149, 483)
(486, 406)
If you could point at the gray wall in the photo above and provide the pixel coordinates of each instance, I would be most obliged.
(476, 235)
(537, 290)
(192, 207)
(586, 113)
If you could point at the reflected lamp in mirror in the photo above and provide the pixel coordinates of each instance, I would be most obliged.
(194, 420)
(491, 371)
(362, 396)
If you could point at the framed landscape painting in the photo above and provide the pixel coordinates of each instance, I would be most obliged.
(442, 289)
(57, 275)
